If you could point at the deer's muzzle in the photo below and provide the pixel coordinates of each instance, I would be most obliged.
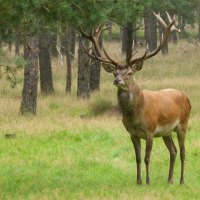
(118, 81)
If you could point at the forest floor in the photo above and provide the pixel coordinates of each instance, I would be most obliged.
(76, 149)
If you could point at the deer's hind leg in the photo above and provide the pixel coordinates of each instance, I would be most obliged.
(181, 132)
(149, 144)
(173, 151)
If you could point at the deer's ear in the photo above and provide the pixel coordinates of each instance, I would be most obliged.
(108, 67)
(138, 65)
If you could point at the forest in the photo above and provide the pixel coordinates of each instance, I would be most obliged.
(61, 129)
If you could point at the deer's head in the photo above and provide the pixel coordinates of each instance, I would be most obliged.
(124, 76)
(124, 72)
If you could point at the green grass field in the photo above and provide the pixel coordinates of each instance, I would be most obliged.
(60, 155)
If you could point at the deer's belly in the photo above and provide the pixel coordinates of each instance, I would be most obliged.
(165, 130)
(142, 131)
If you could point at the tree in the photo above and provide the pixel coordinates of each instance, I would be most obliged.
(150, 29)
(198, 18)
(1, 41)
(72, 41)
(165, 46)
(95, 73)
(83, 86)
(29, 93)
(46, 80)
(68, 47)
(129, 40)
(53, 44)
(199, 28)
(17, 43)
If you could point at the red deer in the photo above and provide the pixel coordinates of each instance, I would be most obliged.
(146, 114)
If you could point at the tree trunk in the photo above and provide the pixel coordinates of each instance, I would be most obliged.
(46, 80)
(135, 44)
(68, 60)
(199, 27)
(62, 39)
(181, 23)
(29, 93)
(17, 44)
(129, 41)
(72, 42)
(121, 34)
(53, 44)
(1, 41)
(150, 30)
(124, 40)
(95, 72)
(83, 90)
(174, 38)
(10, 45)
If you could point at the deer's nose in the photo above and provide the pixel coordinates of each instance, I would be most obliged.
(118, 80)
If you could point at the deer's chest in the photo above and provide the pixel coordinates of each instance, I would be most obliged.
(125, 101)
(135, 127)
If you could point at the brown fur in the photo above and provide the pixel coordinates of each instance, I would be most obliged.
(147, 114)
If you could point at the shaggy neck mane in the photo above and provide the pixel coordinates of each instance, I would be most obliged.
(130, 100)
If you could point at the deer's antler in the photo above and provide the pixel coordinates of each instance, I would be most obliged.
(101, 54)
(167, 30)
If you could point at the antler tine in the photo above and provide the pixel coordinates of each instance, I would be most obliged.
(160, 20)
(133, 53)
(95, 56)
(140, 58)
(169, 18)
(118, 65)
(87, 51)
(100, 27)
(83, 33)
(167, 29)
(99, 53)
(92, 32)
(173, 28)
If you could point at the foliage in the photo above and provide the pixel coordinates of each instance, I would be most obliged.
(26, 16)
(10, 66)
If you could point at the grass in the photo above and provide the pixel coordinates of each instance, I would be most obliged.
(60, 155)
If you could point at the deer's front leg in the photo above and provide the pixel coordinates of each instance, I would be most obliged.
(149, 144)
(137, 147)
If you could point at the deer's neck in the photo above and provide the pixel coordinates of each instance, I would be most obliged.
(130, 100)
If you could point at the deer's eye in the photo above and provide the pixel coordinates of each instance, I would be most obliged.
(130, 73)
(115, 74)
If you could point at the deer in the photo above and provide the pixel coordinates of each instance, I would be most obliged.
(146, 114)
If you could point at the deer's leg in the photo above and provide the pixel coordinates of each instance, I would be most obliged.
(149, 144)
(172, 150)
(181, 140)
(137, 146)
